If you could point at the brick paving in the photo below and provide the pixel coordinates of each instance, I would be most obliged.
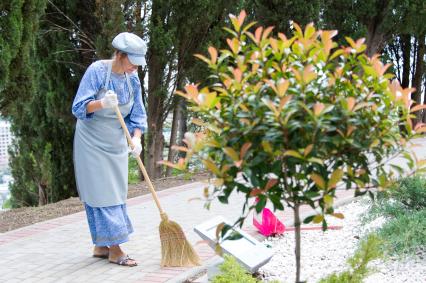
(59, 250)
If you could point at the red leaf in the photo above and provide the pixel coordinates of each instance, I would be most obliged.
(244, 149)
(241, 17)
(255, 192)
(258, 34)
(270, 184)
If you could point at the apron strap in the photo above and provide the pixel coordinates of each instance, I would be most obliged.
(129, 85)
(108, 77)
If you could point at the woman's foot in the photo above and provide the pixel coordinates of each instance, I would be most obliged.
(101, 252)
(117, 256)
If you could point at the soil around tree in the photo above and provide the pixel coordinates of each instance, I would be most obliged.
(19, 217)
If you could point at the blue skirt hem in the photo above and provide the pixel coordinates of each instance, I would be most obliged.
(109, 226)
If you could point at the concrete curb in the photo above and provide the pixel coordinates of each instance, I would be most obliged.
(195, 270)
(216, 259)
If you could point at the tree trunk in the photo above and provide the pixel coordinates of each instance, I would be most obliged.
(376, 37)
(418, 77)
(155, 133)
(155, 118)
(177, 113)
(157, 95)
(406, 56)
(183, 126)
(297, 235)
(375, 40)
(42, 195)
(173, 135)
(424, 101)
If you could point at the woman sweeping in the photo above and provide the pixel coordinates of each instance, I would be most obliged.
(100, 147)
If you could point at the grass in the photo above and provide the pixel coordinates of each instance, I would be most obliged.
(404, 207)
(133, 172)
(7, 204)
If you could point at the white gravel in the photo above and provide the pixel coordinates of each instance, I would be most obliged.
(325, 253)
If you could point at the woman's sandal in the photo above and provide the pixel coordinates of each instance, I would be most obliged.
(124, 261)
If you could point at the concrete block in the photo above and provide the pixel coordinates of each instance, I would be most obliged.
(248, 251)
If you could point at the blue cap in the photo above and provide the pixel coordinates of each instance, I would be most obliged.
(132, 45)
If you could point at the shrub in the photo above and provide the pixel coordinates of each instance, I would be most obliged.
(232, 272)
(404, 204)
(410, 192)
(406, 195)
(405, 234)
(368, 251)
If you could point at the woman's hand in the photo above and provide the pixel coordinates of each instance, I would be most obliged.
(137, 149)
(110, 100)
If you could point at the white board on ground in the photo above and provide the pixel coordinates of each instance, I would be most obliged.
(249, 252)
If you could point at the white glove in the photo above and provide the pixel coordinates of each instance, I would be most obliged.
(136, 151)
(109, 100)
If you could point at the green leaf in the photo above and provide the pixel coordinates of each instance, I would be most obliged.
(309, 31)
(336, 53)
(267, 146)
(261, 204)
(203, 58)
(225, 229)
(293, 153)
(276, 201)
(223, 199)
(231, 153)
(324, 225)
(308, 219)
(211, 166)
(248, 26)
(328, 200)
(235, 235)
(316, 160)
(399, 169)
(311, 194)
(318, 218)
(230, 31)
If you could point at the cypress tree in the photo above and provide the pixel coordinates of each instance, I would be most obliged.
(18, 91)
(11, 28)
(43, 78)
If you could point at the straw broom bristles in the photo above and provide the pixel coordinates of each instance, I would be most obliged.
(175, 249)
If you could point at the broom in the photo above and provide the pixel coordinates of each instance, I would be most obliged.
(175, 248)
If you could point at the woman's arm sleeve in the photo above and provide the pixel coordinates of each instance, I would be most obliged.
(137, 117)
(89, 86)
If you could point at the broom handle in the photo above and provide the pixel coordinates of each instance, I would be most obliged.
(138, 159)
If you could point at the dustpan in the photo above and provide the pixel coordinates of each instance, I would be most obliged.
(267, 223)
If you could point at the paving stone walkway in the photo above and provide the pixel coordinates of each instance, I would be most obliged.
(59, 250)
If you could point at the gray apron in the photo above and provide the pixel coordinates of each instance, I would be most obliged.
(101, 154)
